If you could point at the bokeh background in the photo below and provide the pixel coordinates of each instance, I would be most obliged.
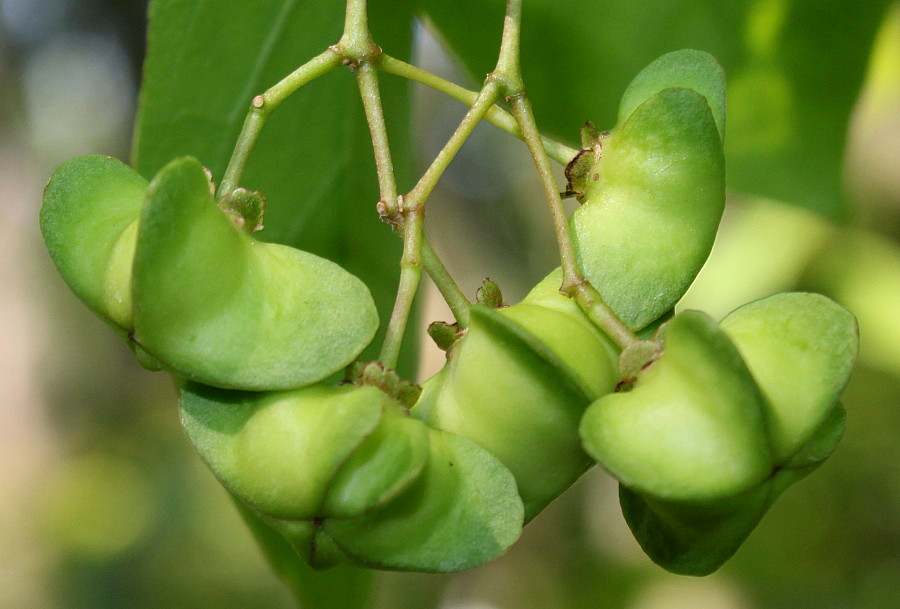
(103, 503)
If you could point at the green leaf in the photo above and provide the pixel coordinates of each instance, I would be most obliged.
(217, 306)
(794, 72)
(313, 161)
(342, 587)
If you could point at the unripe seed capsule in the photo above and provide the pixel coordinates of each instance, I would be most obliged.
(650, 217)
(192, 292)
(517, 384)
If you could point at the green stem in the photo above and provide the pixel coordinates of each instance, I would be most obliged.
(356, 44)
(412, 211)
(508, 62)
(446, 285)
(407, 213)
(416, 199)
(263, 105)
(486, 98)
(497, 116)
(593, 305)
(574, 284)
(367, 78)
(410, 275)
(448, 288)
(354, 47)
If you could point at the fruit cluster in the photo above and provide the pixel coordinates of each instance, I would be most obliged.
(704, 424)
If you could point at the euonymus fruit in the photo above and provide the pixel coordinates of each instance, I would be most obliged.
(801, 349)
(692, 427)
(703, 424)
(191, 288)
(653, 190)
(725, 420)
(315, 452)
(683, 69)
(345, 475)
(89, 224)
(517, 384)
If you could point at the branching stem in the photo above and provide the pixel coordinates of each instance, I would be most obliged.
(410, 275)
(497, 116)
(574, 284)
(357, 49)
(411, 214)
(446, 285)
(407, 213)
(263, 105)
(367, 78)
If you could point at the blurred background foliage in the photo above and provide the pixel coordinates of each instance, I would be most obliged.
(104, 504)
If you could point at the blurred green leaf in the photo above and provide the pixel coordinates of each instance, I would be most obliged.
(313, 161)
(794, 71)
(341, 587)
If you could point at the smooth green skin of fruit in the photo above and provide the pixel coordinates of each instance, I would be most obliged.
(818, 448)
(517, 385)
(314, 452)
(697, 538)
(692, 428)
(547, 294)
(684, 69)
(801, 349)
(694, 539)
(650, 218)
(218, 307)
(463, 511)
(88, 220)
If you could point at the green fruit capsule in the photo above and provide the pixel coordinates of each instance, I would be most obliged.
(344, 475)
(461, 512)
(221, 308)
(517, 384)
(801, 349)
(652, 199)
(189, 289)
(683, 69)
(315, 452)
(690, 448)
(692, 428)
(89, 223)
(694, 538)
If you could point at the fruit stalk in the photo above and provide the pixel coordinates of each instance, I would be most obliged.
(574, 284)
(497, 116)
(263, 105)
